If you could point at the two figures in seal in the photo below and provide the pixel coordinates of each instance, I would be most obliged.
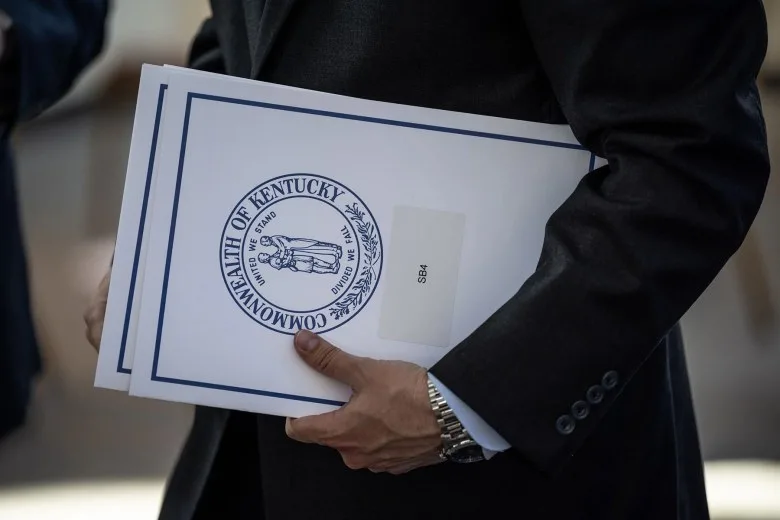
(301, 255)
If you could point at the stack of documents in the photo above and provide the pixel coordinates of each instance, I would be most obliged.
(253, 210)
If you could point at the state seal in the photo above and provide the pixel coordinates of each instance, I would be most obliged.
(301, 251)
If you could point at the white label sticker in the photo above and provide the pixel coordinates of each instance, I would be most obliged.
(422, 276)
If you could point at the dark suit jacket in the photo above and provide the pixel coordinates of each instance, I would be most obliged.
(583, 370)
(50, 43)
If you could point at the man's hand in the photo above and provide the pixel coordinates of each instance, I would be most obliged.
(96, 312)
(388, 424)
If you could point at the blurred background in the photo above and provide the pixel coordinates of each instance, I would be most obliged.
(88, 453)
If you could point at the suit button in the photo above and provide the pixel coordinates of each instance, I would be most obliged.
(595, 394)
(580, 410)
(610, 380)
(565, 424)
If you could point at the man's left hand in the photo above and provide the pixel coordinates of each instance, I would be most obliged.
(387, 425)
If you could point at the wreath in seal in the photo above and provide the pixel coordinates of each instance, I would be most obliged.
(367, 277)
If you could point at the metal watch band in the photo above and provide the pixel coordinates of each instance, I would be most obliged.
(452, 431)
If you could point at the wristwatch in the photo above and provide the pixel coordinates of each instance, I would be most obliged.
(457, 445)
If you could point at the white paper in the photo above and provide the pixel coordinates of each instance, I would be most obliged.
(118, 339)
(208, 348)
(422, 276)
(117, 348)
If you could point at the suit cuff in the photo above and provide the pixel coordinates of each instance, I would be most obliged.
(479, 430)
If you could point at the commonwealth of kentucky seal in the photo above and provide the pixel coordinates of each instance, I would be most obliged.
(301, 251)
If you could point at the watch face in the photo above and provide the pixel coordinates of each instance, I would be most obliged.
(467, 454)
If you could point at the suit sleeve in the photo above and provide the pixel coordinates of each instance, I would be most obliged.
(665, 91)
(55, 41)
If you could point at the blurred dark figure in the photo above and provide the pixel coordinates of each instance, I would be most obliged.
(44, 45)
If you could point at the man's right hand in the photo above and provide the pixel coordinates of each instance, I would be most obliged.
(96, 312)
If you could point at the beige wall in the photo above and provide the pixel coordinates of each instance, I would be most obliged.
(772, 8)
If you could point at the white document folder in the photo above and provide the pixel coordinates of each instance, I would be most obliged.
(115, 360)
(394, 231)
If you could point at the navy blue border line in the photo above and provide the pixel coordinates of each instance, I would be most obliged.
(265, 393)
(141, 224)
(389, 122)
(174, 214)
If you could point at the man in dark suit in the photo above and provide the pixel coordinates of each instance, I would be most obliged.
(43, 48)
(579, 381)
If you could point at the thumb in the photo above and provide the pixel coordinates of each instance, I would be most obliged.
(329, 360)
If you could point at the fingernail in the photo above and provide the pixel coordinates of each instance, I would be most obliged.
(306, 340)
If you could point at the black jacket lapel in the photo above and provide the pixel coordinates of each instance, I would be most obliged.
(266, 22)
